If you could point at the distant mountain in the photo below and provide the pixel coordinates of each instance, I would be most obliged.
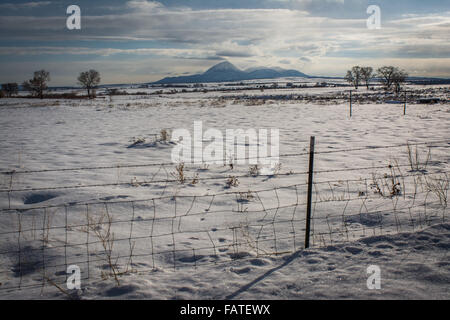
(226, 72)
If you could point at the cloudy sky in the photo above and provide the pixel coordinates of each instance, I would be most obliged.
(141, 41)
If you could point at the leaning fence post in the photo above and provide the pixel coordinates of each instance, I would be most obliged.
(310, 182)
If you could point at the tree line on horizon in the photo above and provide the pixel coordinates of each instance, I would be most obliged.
(389, 76)
(89, 80)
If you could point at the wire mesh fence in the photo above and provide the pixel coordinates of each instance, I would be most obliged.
(107, 239)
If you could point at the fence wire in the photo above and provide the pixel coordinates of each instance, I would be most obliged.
(107, 239)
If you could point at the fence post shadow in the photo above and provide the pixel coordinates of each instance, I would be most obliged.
(244, 288)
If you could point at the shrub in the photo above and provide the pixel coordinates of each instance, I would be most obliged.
(179, 174)
(164, 135)
(254, 170)
(232, 182)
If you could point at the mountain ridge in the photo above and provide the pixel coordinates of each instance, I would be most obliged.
(227, 72)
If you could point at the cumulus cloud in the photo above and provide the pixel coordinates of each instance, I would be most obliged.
(145, 6)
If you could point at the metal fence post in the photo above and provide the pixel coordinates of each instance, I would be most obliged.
(310, 182)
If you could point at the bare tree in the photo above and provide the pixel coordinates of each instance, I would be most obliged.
(399, 79)
(10, 89)
(392, 76)
(354, 76)
(367, 75)
(38, 84)
(386, 75)
(349, 77)
(89, 80)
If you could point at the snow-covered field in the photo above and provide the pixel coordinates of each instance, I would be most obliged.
(203, 239)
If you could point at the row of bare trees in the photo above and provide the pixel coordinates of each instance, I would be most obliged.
(37, 86)
(391, 77)
(9, 89)
(358, 74)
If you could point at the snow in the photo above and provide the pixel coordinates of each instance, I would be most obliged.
(413, 266)
(411, 247)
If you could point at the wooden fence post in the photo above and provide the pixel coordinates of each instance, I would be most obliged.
(404, 109)
(310, 183)
(351, 111)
